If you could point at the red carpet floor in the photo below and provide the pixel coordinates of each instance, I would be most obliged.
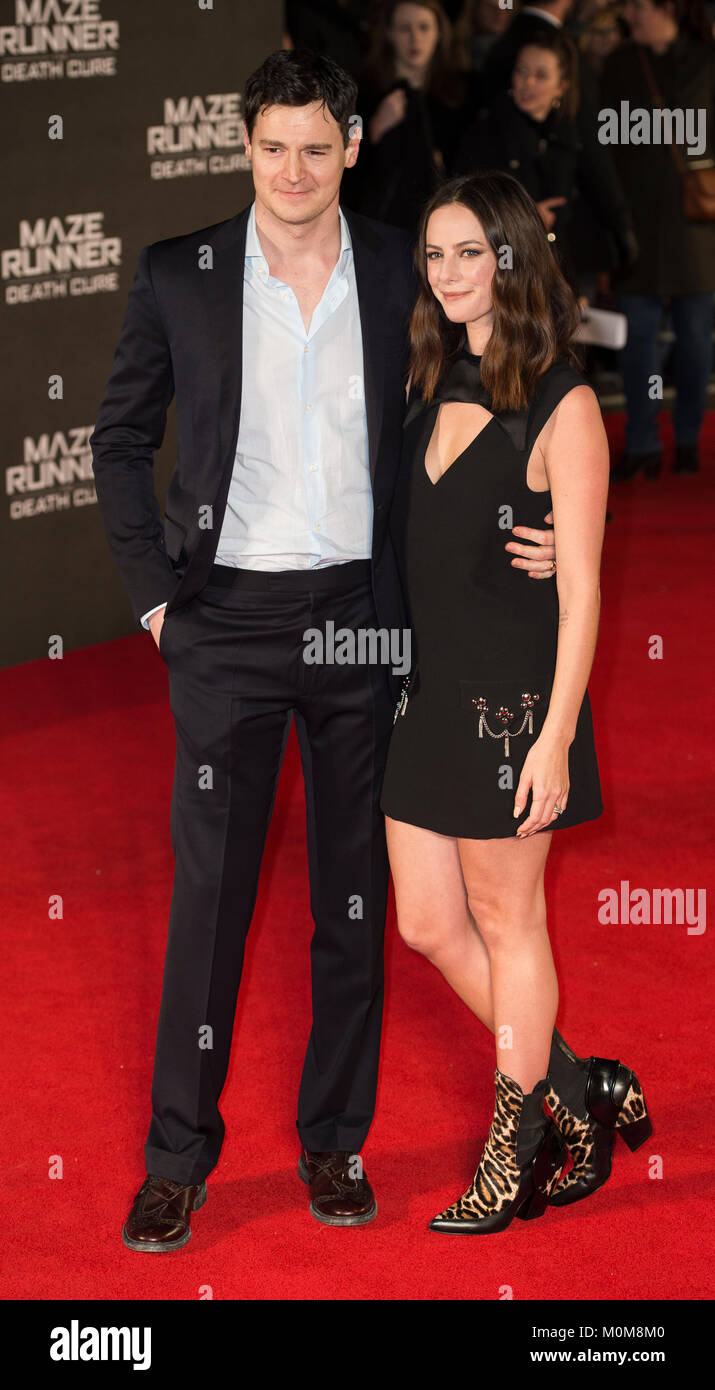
(88, 764)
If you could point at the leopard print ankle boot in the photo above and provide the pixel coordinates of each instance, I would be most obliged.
(521, 1163)
(592, 1099)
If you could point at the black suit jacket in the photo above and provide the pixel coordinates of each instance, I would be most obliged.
(183, 335)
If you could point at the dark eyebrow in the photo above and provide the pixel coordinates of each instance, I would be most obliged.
(311, 144)
(470, 240)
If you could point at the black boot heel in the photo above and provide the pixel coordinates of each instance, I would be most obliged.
(533, 1207)
(636, 1133)
(547, 1166)
(614, 1104)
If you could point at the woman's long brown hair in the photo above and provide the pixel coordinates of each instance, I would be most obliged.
(535, 310)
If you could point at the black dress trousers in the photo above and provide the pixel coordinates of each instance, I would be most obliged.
(237, 674)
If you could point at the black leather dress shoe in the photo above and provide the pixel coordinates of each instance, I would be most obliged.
(630, 464)
(340, 1194)
(686, 459)
(159, 1219)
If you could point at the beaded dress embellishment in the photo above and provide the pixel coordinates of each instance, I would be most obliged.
(504, 716)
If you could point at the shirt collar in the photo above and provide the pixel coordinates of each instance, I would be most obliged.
(255, 254)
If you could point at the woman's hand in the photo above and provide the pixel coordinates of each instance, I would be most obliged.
(546, 774)
(545, 210)
(389, 113)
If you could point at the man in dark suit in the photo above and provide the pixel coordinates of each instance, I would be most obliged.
(282, 333)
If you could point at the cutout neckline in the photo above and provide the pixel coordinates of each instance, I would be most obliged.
(435, 482)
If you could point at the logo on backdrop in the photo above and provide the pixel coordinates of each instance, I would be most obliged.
(58, 38)
(193, 127)
(60, 258)
(55, 474)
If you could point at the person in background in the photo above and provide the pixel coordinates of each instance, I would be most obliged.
(477, 27)
(529, 22)
(595, 239)
(676, 265)
(582, 14)
(600, 32)
(412, 107)
(531, 132)
(337, 28)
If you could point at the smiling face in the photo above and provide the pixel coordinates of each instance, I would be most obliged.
(536, 81)
(297, 160)
(460, 265)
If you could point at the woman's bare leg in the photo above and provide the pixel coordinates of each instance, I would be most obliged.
(476, 909)
(433, 914)
(505, 891)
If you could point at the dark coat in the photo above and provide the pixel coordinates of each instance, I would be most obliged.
(393, 179)
(550, 160)
(183, 335)
(340, 31)
(676, 256)
(601, 231)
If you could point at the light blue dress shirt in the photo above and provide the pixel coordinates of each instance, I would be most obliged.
(300, 495)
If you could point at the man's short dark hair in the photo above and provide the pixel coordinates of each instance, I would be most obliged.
(299, 77)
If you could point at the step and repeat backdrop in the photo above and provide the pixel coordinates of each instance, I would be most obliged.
(122, 125)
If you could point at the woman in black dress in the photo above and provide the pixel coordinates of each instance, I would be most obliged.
(493, 743)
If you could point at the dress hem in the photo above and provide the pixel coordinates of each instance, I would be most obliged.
(560, 824)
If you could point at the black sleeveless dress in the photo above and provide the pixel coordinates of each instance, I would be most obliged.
(484, 635)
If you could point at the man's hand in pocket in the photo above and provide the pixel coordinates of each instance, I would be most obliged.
(156, 622)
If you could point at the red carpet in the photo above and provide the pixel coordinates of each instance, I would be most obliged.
(88, 763)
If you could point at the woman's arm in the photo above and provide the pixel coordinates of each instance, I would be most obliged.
(576, 459)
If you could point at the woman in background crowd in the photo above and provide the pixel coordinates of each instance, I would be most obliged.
(672, 40)
(531, 132)
(477, 26)
(412, 106)
(600, 33)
